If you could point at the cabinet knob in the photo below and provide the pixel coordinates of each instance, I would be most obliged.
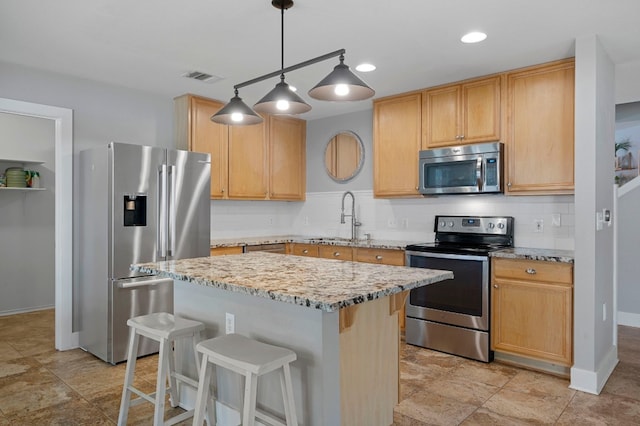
(305, 251)
(530, 271)
(495, 286)
(222, 190)
(378, 257)
(336, 254)
(461, 136)
(509, 184)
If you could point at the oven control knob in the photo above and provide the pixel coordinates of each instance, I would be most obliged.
(442, 224)
(491, 225)
(501, 225)
(450, 224)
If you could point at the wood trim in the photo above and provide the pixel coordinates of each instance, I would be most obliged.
(397, 301)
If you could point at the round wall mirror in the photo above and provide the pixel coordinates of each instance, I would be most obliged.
(344, 156)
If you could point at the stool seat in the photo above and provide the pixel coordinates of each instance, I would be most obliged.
(162, 325)
(166, 329)
(246, 354)
(251, 359)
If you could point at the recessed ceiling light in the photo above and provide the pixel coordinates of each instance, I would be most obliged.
(365, 67)
(473, 37)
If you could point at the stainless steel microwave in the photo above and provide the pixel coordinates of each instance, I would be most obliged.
(465, 169)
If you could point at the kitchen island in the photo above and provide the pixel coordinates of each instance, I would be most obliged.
(341, 318)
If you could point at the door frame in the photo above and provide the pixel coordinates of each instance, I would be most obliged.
(65, 338)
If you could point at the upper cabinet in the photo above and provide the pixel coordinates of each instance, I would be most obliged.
(397, 134)
(258, 162)
(540, 129)
(462, 113)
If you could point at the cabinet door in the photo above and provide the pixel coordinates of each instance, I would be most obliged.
(480, 111)
(287, 158)
(335, 252)
(248, 161)
(533, 320)
(442, 116)
(540, 142)
(396, 145)
(203, 135)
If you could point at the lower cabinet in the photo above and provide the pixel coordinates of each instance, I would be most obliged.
(532, 309)
(218, 251)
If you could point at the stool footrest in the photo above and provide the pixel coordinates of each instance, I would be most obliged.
(180, 417)
(186, 380)
(149, 397)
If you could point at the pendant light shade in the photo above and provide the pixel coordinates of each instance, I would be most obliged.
(341, 85)
(236, 113)
(282, 100)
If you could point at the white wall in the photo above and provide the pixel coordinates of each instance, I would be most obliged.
(594, 353)
(27, 224)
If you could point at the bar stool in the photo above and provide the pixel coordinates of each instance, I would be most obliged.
(251, 359)
(165, 329)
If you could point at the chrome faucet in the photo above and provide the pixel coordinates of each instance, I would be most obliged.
(354, 221)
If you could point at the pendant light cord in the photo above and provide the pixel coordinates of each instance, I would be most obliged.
(282, 36)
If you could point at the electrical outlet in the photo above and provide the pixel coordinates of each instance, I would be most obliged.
(271, 220)
(392, 223)
(230, 323)
(555, 220)
(306, 220)
(538, 225)
(404, 223)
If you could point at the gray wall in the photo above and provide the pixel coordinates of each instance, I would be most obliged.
(319, 132)
(101, 112)
(27, 224)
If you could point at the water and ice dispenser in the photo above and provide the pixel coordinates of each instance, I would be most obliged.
(135, 210)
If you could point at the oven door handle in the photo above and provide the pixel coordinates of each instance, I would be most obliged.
(480, 173)
(408, 254)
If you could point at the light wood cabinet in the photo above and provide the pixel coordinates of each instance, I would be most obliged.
(258, 162)
(380, 256)
(299, 249)
(532, 309)
(397, 135)
(540, 129)
(462, 113)
(194, 131)
(335, 252)
(287, 158)
(219, 251)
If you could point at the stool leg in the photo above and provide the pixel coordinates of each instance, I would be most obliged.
(128, 378)
(249, 405)
(211, 407)
(161, 383)
(287, 395)
(203, 392)
(173, 384)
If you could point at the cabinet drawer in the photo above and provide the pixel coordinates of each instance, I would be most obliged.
(533, 270)
(382, 256)
(335, 252)
(304, 250)
(218, 251)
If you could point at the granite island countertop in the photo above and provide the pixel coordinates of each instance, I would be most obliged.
(333, 241)
(324, 284)
(547, 255)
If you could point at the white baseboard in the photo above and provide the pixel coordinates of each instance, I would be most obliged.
(26, 310)
(629, 319)
(594, 381)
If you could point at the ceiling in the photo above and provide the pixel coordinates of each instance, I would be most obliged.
(149, 44)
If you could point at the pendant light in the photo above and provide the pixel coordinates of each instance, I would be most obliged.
(340, 85)
(236, 112)
(282, 100)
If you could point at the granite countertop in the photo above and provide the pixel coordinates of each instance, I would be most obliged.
(548, 255)
(279, 239)
(324, 284)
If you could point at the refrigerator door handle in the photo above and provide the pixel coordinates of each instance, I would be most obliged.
(172, 211)
(145, 283)
(161, 233)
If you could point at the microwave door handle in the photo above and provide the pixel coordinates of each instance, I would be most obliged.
(479, 173)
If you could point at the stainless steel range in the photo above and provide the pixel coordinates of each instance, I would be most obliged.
(453, 316)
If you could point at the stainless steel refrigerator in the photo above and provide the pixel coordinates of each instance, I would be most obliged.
(137, 204)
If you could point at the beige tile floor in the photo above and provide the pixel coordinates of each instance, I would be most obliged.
(40, 386)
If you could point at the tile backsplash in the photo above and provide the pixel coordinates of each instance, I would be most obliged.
(402, 219)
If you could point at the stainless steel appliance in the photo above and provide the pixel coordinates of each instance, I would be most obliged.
(137, 204)
(465, 169)
(453, 315)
